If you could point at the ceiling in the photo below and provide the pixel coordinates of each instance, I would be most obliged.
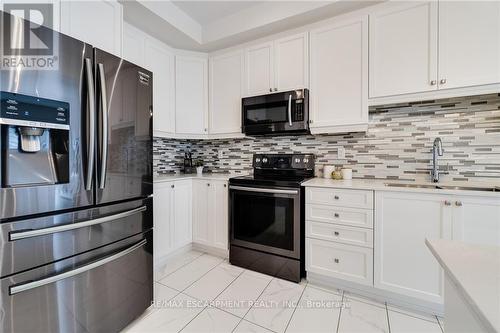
(205, 12)
(211, 25)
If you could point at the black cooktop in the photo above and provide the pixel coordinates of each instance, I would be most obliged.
(278, 170)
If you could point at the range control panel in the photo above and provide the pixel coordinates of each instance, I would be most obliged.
(30, 111)
(283, 161)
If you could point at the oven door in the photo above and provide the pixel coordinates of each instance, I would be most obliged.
(266, 219)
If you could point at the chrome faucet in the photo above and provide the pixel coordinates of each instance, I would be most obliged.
(437, 150)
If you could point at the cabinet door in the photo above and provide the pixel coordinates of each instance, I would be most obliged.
(291, 62)
(403, 49)
(201, 228)
(162, 220)
(226, 87)
(339, 69)
(133, 45)
(469, 43)
(160, 60)
(259, 62)
(97, 22)
(191, 95)
(182, 206)
(403, 263)
(476, 220)
(218, 213)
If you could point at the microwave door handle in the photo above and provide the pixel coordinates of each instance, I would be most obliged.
(290, 110)
(91, 123)
(104, 126)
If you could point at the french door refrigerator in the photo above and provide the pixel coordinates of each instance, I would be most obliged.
(76, 203)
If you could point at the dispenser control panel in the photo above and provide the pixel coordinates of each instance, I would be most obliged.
(30, 111)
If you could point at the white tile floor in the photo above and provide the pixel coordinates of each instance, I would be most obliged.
(197, 292)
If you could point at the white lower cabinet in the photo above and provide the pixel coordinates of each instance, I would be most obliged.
(353, 263)
(172, 217)
(210, 213)
(402, 262)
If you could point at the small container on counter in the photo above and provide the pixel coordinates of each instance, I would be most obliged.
(327, 171)
(346, 173)
(318, 170)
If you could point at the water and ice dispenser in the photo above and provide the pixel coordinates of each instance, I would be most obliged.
(34, 141)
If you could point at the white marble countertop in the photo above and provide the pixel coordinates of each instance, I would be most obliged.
(475, 272)
(177, 176)
(380, 185)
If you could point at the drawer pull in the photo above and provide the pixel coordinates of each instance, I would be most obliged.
(336, 197)
(336, 233)
(336, 260)
(336, 215)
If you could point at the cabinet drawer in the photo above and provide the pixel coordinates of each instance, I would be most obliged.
(340, 233)
(348, 262)
(340, 215)
(339, 197)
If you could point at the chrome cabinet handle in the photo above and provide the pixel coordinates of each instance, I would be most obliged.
(172, 186)
(336, 260)
(443, 81)
(270, 89)
(336, 233)
(17, 235)
(336, 215)
(290, 110)
(91, 124)
(225, 185)
(263, 190)
(104, 127)
(447, 203)
(458, 203)
(82, 269)
(208, 184)
(433, 82)
(336, 197)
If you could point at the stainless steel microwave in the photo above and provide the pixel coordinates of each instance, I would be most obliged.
(284, 113)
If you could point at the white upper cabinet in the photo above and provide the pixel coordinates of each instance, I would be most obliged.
(291, 62)
(469, 43)
(97, 22)
(226, 87)
(191, 94)
(259, 72)
(278, 65)
(133, 44)
(339, 70)
(403, 49)
(159, 59)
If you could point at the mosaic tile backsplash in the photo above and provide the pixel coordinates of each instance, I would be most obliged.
(397, 145)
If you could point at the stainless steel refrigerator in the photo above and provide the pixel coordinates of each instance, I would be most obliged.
(76, 187)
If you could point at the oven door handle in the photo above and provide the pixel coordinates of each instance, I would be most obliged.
(16, 289)
(263, 190)
(290, 110)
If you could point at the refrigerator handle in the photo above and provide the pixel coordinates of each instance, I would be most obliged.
(16, 289)
(91, 123)
(104, 126)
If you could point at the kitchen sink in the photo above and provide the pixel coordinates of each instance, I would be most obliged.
(446, 187)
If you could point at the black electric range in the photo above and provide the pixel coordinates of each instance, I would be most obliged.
(267, 215)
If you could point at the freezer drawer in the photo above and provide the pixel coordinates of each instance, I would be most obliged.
(100, 291)
(35, 242)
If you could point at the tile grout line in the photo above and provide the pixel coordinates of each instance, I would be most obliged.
(340, 312)
(439, 323)
(202, 253)
(242, 318)
(211, 269)
(189, 322)
(295, 308)
(387, 316)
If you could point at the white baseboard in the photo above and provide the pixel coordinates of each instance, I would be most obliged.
(161, 262)
(376, 294)
(211, 250)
